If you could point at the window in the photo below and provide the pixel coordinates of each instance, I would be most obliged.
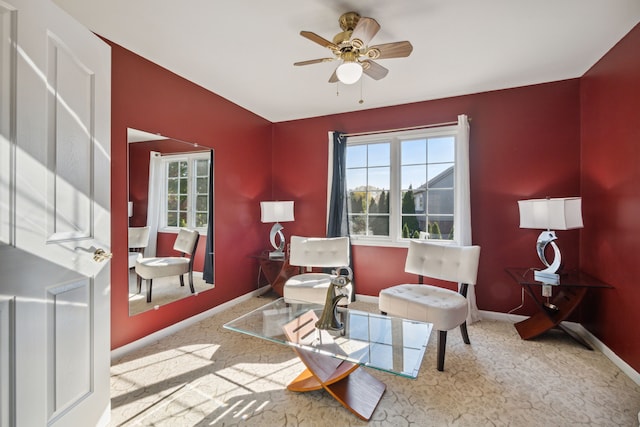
(186, 191)
(401, 186)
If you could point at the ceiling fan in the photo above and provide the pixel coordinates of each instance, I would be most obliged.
(351, 46)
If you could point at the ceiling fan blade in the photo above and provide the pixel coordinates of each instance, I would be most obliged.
(314, 61)
(333, 78)
(318, 39)
(391, 50)
(374, 70)
(364, 32)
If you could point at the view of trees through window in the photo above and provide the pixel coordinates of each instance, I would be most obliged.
(417, 177)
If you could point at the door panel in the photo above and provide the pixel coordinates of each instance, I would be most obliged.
(54, 214)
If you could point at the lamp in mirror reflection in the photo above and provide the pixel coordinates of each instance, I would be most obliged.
(550, 214)
(276, 212)
(130, 209)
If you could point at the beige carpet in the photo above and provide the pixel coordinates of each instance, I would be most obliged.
(164, 291)
(208, 376)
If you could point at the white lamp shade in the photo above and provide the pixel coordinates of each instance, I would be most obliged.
(276, 211)
(551, 214)
(349, 72)
(130, 209)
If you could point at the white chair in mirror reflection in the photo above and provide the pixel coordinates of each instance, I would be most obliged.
(316, 252)
(156, 267)
(445, 308)
(138, 241)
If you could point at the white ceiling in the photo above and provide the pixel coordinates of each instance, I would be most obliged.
(244, 50)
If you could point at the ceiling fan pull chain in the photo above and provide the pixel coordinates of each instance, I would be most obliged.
(361, 100)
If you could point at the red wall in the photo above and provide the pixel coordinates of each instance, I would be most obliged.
(524, 143)
(150, 98)
(610, 246)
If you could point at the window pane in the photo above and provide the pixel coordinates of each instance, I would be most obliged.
(379, 154)
(379, 178)
(356, 179)
(201, 220)
(356, 156)
(202, 168)
(358, 224)
(183, 219)
(413, 176)
(440, 227)
(357, 201)
(440, 202)
(414, 151)
(378, 225)
(202, 204)
(184, 169)
(172, 169)
(410, 227)
(172, 219)
(441, 149)
(172, 203)
(184, 185)
(172, 186)
(183, 203)
(440, 175)
(202, 185)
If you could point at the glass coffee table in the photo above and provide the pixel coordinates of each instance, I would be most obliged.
(332, 358)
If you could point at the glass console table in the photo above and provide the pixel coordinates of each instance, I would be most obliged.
(567, 296)
(332, 358)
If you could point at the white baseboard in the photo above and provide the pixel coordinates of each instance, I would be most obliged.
(491, 315)
(151, 338)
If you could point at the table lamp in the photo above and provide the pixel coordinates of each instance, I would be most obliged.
(276, 212)
(550, 215)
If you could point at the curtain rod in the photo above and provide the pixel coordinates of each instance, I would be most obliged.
(375, 132)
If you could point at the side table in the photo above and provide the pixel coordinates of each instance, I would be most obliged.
(567, 296)
(275, 271)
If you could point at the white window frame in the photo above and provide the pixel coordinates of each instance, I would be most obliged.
(191, 159)
(395, 238)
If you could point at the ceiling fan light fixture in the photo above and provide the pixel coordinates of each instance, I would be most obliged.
(349, 72)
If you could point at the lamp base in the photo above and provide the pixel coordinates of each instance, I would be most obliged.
(278, 254)
(546, 277)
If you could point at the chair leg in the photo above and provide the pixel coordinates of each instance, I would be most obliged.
(139, 283)
(442, 344)
(193, 291)
(149, 285)
(465, 334)
(181, 280)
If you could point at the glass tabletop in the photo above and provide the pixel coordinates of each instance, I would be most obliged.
(571, 278)
(377, 341)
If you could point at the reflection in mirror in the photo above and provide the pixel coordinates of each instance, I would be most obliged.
(169, 189)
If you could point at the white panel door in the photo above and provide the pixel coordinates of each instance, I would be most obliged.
(55, 78)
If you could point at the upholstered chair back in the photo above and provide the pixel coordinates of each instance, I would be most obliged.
(138, 237)
(444, 262)
(186, 241)
(319, 251)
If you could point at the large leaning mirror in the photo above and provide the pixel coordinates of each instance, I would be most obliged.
(170, 189)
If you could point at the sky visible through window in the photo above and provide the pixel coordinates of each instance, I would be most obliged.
(438, 154)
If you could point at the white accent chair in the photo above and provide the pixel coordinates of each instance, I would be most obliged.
(151, 268)
(319, 252)
(445, 308)
(138, 241)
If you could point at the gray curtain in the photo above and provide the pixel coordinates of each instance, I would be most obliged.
(338, 224)
(338, 221)
(207, 274)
